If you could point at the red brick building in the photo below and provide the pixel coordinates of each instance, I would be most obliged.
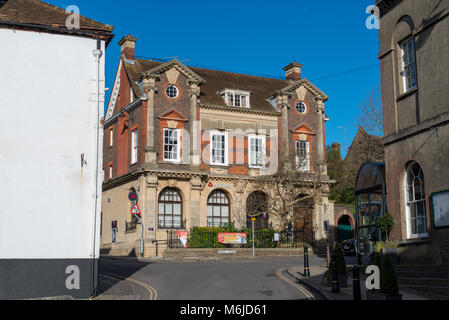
(191, 141)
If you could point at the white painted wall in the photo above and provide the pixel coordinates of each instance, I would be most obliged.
(48, 119)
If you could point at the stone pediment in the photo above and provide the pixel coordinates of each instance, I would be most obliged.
(172, 114)
(306, 84)
(303, 129)
(180, 67)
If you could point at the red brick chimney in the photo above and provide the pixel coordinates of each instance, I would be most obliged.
(128, 47)
(293, 71)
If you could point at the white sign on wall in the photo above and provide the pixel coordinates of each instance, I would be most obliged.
(440, 209)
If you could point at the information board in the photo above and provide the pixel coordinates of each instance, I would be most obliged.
(440, 209)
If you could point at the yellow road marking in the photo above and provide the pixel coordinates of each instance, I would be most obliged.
(150, 289)
(300, 288)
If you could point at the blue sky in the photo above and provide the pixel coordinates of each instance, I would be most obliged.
(255, 37)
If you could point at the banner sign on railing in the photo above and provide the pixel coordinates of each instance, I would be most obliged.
(183, 236)
(232, 238)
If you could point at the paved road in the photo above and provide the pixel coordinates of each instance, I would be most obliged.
(252, 279)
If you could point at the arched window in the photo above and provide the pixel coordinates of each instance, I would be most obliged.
(257, 207)
(218, 209)
(170, 209)
(415, 202)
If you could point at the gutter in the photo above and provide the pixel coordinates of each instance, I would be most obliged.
(108, 36)
(129, 107)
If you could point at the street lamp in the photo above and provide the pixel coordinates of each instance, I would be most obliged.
(346, 138)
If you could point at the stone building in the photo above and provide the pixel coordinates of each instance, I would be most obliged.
(192, 141)
(414, 56)
(364, 148)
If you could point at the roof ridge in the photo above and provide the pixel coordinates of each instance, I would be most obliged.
(232, 72)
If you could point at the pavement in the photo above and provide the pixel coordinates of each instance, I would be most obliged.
(317, 282)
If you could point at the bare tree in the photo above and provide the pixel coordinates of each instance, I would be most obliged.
(371, 114)
(288, 189)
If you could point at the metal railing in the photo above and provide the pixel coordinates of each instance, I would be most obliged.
(201, 239)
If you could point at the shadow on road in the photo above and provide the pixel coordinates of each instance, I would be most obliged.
(119, 267)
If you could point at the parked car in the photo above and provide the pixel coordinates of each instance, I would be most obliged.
(349, 247)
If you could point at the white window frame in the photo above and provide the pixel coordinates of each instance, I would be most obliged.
(111, 137)
(178, 145)
(301, 103)
(411, 235)
(252, 138)
(230, 97)
(134, 146)
(409, 65)
(226, 148)
(110, 172)
(177, 91)
(307, 167)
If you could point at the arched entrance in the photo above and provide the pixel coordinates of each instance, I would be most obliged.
(303, 219)
(256, 206)
(344, 228)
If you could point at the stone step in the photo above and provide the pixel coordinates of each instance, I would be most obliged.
(420, 268)
(420, 275)
(435, 290)
(430, 282)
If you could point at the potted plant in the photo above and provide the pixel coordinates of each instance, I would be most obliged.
(385, 224)
(389, 287)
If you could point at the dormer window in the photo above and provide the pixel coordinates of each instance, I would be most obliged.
(236, 98)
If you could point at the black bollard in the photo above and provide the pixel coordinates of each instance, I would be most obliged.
(306, 262)
(356, 283)
(335, 283)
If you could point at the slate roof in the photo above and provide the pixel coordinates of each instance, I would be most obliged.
(261, 88)
(37, 12)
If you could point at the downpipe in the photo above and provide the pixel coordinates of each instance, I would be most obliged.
(98, 53)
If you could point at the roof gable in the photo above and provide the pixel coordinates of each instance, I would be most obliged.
(178, 66)
(306, 84)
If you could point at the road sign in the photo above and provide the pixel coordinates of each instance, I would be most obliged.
(253, 219)
(132, 196)
(135, 210)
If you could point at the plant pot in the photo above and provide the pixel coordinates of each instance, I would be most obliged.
(392, 254)
(375, 295)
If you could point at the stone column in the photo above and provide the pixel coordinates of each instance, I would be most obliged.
(196, 186)
(194, 92)
(149, 84)
(321, 162)
(282, 101)
(150, 218)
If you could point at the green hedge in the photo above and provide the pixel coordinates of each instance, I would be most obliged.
(207, 237)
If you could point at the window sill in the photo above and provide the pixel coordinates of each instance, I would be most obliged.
(130, 231)
(406, 94)
(219, 165)
(169, 162)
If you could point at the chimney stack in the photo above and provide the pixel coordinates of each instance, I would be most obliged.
(128, 47)
(293, 71)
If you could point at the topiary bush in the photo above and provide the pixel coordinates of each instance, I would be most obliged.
(341, 263)
(388, 279)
